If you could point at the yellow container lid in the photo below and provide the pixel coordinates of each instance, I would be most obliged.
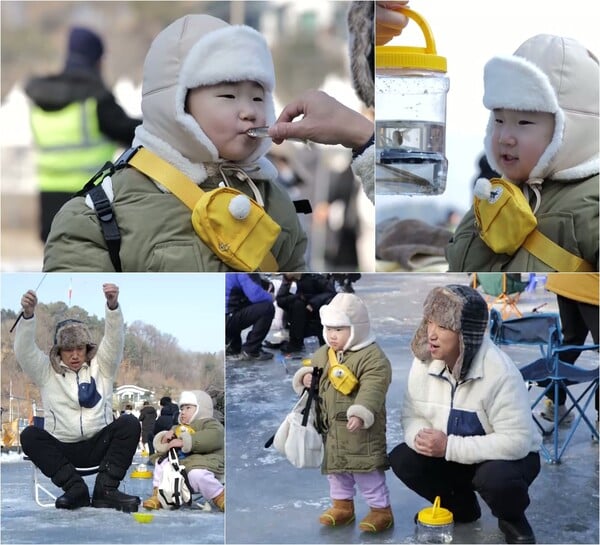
(426, 58)
(435, 515)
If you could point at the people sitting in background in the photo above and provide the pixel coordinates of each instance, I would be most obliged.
(301, 296)
(249, 303)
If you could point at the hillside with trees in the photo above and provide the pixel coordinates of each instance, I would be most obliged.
(151, 359)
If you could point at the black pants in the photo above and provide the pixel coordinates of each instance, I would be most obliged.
(112, 446)
(303, 322)
(502, 484)
(577, 320)
(257, 315)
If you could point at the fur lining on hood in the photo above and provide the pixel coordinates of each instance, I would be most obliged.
(361, 38)
(193, 51)
(347, 310)
(555, 75)
(203, 402)
(460, 309)
(69, 336)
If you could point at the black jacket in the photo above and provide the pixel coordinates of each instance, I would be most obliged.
(53, 93)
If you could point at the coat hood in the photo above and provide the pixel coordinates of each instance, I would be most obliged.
(556, 75)
(347, 310)
(198, 50)
(460, 309)
(202, 401)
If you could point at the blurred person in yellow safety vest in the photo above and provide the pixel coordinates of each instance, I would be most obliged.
(76, 123)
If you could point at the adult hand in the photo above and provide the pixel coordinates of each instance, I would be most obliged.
(355, 423)
(28, 302)
(388, 21)
(111, 292)
(430, 442)
(325, 121)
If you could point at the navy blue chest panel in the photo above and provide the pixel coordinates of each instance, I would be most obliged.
(460, 422)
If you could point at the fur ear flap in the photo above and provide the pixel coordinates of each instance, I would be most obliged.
(361, 41)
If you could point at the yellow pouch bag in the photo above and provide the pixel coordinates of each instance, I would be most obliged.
(235, 227)
(503, 215)
(340, 376)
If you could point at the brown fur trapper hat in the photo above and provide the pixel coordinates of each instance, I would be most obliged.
(70, 334)
(361, 38)
(458, 308)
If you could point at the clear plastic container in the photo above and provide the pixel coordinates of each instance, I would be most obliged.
(434, 524)
(411, 87)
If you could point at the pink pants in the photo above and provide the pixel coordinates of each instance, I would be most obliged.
(202, 481)
(371, 485)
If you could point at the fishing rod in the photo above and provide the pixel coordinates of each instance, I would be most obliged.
(21, 315)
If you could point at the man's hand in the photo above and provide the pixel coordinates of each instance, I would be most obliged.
(430, 442)
(388, 21)
(28, 302)
(111, 292)
(325, 120)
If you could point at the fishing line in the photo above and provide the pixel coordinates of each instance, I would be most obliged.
(21, 315)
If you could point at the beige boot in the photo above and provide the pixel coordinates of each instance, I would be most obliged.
(219, 500)
(377, 519)
(153, 502)
(341, 513)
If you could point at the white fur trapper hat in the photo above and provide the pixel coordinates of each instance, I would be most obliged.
(201, 400)
(198, 50)
(556, 75)
(348, 310)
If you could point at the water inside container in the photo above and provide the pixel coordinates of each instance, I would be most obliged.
(410, 158)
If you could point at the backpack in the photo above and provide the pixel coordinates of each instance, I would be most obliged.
(174, 489)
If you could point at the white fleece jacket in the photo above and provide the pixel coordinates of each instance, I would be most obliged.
(64, 418)
(492, 401)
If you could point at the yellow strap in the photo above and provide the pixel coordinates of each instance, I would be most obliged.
(166, 174)
(332, 357)
(182, 187)
(553, 255)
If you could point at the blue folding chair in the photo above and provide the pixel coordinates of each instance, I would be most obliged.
(549, 372)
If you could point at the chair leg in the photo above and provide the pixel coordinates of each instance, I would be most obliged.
(39, 490)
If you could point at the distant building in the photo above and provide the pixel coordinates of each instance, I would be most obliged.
(132, 394)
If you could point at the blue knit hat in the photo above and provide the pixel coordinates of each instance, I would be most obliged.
(85, 48)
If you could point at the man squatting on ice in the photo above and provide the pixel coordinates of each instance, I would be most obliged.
(466, 417)
(76, 384)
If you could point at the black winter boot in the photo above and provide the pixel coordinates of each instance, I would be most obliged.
(517, 531)
(76, 491)
(107, 495)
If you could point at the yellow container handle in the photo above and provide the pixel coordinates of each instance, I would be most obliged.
(424, 26)
(436, 506)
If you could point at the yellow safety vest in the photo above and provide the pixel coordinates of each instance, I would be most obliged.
(70, 146)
